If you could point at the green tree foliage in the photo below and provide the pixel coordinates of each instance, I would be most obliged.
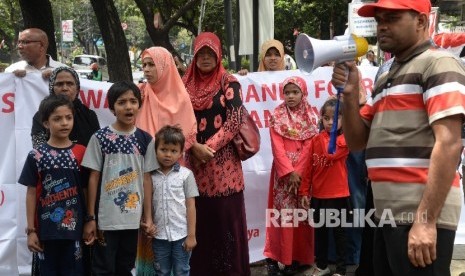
(173, 13)
(318, 18)
(136, 34)
(114, 39)
(10, 23)
(85, 26)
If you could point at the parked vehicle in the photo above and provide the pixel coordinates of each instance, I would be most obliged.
(81, 63)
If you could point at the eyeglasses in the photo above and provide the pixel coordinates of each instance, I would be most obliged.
(26, 42)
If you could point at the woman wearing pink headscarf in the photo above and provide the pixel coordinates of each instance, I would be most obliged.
(164, 102)
(292, 126)
(222, 245)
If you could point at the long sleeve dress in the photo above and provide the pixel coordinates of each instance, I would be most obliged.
(222, 245)
(287, 244)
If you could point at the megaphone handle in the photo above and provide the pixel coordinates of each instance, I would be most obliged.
(333, 132)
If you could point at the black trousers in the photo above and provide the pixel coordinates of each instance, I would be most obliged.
(86, 257)
(60, 258)
(322, 230)
(391, 258)
(116, 254)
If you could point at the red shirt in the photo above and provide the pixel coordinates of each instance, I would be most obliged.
(325, 175)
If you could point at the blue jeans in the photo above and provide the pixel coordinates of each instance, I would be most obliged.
(171, 256)
(358, 184)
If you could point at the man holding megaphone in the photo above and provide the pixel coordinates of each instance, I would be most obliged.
(410, 128)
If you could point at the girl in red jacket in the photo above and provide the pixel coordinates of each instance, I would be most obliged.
(325, 181)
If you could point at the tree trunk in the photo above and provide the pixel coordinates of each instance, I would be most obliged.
(119, 65)
(38, 14)
(325, 30)
(160, 37)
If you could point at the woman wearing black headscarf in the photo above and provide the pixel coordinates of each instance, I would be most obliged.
(65, 81)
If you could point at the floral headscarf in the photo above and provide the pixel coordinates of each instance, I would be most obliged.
(202, 87)
(299, 122)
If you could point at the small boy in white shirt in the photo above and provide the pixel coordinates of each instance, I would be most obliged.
(174, 192)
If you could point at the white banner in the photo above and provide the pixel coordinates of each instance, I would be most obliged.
(67, 30)
(8, 201)
(261, 94)
(7, 126)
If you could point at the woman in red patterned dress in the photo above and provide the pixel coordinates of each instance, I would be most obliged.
(222, 245)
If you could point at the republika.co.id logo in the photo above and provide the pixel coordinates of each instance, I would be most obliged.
(338, 218)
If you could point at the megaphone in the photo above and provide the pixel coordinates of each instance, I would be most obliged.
(311, 53)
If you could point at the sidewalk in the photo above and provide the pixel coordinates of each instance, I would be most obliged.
(458, 260)
(457, 265)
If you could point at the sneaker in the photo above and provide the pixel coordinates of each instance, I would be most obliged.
(320, 272)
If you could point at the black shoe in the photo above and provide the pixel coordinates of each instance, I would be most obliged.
(273, 268)
(291, 269)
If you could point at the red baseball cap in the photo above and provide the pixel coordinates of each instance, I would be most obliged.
(421, 6)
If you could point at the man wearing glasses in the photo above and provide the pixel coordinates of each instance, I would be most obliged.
(32, 47)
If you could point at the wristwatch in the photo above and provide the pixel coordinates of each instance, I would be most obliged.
(29, 231)
(89, 218)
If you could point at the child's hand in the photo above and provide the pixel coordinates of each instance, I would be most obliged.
(148, 228)
(305, 202)
(294, 182)
(190, 243)
(90, 232)
(33, 243)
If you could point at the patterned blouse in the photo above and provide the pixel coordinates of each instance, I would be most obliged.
(217, 125)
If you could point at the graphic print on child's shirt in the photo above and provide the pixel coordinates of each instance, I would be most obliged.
(121, 158)
(55, 173)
